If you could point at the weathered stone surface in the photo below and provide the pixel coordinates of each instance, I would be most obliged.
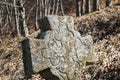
(59, 47)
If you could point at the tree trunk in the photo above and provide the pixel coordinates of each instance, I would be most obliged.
(36, 20)
(0, 15)
(17, 19)
(61, 5)
(83, 7)
(8, 16)
(96, 5)
(87, 6)
(40, 8)
(25, 28)
(53, 8)
(46, 7)
(57, 7)
(108, 3)
(78, 8)
(49, 7)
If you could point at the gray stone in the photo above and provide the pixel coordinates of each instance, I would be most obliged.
(62, 49)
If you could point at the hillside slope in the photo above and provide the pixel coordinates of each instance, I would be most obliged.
(107, 49)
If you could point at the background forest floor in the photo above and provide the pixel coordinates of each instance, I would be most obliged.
(107, 65)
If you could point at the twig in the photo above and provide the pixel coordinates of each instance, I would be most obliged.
(9, 4)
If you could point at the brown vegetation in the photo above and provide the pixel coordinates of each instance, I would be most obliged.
(106, 36)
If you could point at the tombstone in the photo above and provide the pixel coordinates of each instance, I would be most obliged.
(58, 48)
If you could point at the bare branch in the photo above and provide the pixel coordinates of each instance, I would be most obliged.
(9, 4)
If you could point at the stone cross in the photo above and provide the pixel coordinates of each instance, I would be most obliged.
(58, 47)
